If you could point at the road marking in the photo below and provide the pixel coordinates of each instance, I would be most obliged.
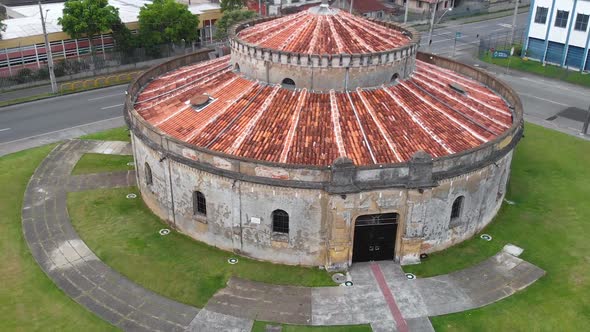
(5, 129)
(107, 107)
(57, 131)
(506, 25)
(553, 85)
(107, 96)
(543, 99)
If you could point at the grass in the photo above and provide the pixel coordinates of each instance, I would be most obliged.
(25, 99)
(260, 326)
(550, 183)
(124, 234)
(101, 163)
(535, 67)
(116, 134)
(29, 300)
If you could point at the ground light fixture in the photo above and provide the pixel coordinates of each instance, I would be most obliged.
(131, 196)
(410, 276)
(164, 231)
(232, 261)
(348, 283)
(486, 237)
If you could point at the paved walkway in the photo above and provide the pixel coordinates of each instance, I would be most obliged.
(381, 296)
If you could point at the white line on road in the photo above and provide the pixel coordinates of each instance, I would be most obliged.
(108, 96)
(57, 131)
(107, 107)
(4, 129)
(543, 99)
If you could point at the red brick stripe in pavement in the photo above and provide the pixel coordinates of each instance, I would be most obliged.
(402, 326)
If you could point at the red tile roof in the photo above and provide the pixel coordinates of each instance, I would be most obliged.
(370, 126)
(310, 33)
(367, 6)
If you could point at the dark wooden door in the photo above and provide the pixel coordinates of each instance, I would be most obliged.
(374, 238)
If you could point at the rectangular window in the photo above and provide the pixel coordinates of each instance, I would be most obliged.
(561, 18)
(581, 22)
(541, 16)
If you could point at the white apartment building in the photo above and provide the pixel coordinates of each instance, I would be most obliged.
(558, 33)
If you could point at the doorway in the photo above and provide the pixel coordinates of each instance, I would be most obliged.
(374, 237)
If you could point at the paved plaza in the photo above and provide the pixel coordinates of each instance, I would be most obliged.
(381, 296)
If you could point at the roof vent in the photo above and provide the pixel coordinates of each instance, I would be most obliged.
(457, 88)
(198, 102)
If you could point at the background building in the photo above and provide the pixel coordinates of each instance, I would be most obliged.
(558, 33)
(22, 44)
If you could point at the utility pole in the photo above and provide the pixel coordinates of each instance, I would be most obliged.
(350, 11)
(48, 52)
(431, 24)
(586, 123)
(406, 13)
(514, 21)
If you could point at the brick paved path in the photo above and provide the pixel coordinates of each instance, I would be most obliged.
(381, 296)
(71, 264)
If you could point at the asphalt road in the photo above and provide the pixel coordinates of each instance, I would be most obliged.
(443, 37)
(54, 114)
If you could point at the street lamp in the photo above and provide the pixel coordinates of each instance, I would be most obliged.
(48, 50)
(432, 21)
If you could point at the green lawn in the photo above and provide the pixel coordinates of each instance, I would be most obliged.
(101, 163)
(29, 300)
(260, 326)
(124, 234)
(535, 67)
(116, 134)
(550, 183)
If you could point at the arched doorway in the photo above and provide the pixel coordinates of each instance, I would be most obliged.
(374, 237)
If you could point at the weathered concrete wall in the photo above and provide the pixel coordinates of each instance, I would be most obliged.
(321, 224)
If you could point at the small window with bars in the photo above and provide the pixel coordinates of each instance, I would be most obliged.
(199, 204)
(561, 18)
(280, 221)
(148, 175)
(457, 209)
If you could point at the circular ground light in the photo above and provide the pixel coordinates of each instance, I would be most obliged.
(410, 276)
(338, 278)
(348, 283)
(164, 231)
(131, 163)
(131, 196)
(232, 261)
(423, 256)
(486, 237)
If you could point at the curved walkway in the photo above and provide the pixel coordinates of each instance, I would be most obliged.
(382, 296)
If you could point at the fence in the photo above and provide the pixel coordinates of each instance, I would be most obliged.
(81, 67)
(501, 41)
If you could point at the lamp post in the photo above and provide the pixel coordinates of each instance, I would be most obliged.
(406, 13)
(514, 22)
(432, 21)
(48, 52)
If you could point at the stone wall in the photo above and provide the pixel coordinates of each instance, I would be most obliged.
(321, 224)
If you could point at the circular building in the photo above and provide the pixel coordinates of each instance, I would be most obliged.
(323, 139)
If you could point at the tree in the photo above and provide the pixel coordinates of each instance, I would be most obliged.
(88, 18)
(230, 5)
(2, 25)
(124, 39)
(166, 21)
(230, 18)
